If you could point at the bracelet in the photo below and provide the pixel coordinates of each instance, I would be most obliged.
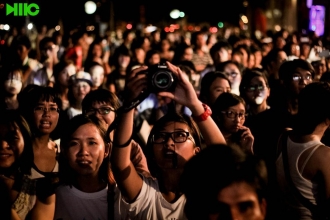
(203, 116)
(123, 145)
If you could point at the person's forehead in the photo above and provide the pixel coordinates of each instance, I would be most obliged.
(98, 103)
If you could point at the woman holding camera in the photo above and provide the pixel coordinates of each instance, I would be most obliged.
(172, 142)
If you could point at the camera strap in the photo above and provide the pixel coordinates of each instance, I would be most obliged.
(126, 107)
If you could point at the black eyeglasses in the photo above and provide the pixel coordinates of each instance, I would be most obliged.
(233, 115)
(231, 74)
(41, 110)
(255, 87)
(101, 110)
(176, 136)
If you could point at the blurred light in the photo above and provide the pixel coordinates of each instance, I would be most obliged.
(166, 29)
(197, 28)
(90, 7)
(150, 29)
(269, 14)
(245, 3)
(244, 19)
(182, 14)
(2, 42)
(277, 13)
(30, 26)
(220, 24)
(175, 26)
(213, 30)
(129, 26)
(57, 28)
(313, 27)
(277, 27)
(171, 29)
(2, 26)
(175, 14)
(6, 27)
(258, 34)
(190, 28)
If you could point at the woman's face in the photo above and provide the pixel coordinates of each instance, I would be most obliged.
(65, 74)
(80, 90)
(188, 54)
(13, 84)
(46, 115)
(103, 111)
(12, 145)
(155, 59)
(257, 91)
(123, 61)
(218, 86)
(165, 44)
(97, 50)
(97, 73)
(167, 153)
(233, 74)
(86, 150)
(233, 118)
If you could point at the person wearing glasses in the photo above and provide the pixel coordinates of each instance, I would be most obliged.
(254, 89)
(233, 71)
(104, 104)
(229, 113)
(173, 140)
(40, 106)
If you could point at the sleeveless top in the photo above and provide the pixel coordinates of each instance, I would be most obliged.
(307, 188)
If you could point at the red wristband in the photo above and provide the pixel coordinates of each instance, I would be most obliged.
(203, 116)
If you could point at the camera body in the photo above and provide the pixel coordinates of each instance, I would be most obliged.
(160, 78)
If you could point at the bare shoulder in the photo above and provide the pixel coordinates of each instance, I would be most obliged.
(322, 155)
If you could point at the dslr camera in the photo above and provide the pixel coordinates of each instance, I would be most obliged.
(160, 78)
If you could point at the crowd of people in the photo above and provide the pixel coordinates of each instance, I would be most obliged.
(241, 133)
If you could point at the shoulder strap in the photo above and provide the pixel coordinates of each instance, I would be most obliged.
(305, 202)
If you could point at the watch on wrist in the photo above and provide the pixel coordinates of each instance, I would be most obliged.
(203, 116)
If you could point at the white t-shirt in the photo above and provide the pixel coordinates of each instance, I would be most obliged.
(73, 204)
(150, 204)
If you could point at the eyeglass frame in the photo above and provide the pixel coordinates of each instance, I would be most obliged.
(170, 135)
(243, 115)
(92, 111)
(256, 87)
(232, 74)
(45, 109)
(300, 77)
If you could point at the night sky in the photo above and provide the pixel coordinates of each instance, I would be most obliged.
(72, 11)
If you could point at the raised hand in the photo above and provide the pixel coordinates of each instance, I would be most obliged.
(247, 139)
(184, 92)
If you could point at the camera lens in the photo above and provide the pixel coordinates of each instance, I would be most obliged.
(162, 80)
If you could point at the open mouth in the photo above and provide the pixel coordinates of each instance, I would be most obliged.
(169, 154)
(83, 162)
(4, 155)
(45, 124)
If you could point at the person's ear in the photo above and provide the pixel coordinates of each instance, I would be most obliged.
(107, 149)
(263, 208)
(197, 150)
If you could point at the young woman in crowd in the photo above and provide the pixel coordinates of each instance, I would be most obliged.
(173, 140)
(40, 106)
(84, 169)
(11, 81)
(229, 113)
(16, 160)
